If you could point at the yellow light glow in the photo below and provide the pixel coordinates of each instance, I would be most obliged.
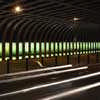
(20, 57)
(32, 56)
(0, 59)
(64, 54)
(42, 55)
(47, 55)
(6, 58)
(13, 58)
(17, 9)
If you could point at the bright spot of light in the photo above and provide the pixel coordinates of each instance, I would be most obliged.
(17, 9)
(67, 93)
(42, 75)
(13, 58)
(75, 19)
(50, 84)
(32, 56)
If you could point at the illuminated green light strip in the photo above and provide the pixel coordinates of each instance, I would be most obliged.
(14, 49)
(0, 50)
(26, 48)
(37, 48)
(47, 47)
(42, 47)
(20, 49)
(7, 48)
(32, 48)
(88, 47)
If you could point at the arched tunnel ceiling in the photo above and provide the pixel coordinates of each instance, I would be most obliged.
(45, 16)
(87, 10)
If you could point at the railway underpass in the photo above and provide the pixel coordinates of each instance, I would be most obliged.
(49, 50)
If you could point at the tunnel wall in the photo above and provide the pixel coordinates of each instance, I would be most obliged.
(21, 65)
(49, 40)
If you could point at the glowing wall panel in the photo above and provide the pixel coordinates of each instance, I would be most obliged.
(64, 46)
(89, 45)
(98, 45)
(26, 48)
(68, 46)
(42, 47)
(0, 49)
(83, 45)
(77, 45)
(52, 47)
(71, 45)
(86, 45)
(7, 49)
(37, 47)
(47, 47)
(14, 49)
(56, 47)
(20, 49)
(32, 48)
(92, 46)
(60, 46)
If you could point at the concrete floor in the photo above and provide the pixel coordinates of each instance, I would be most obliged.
(42, 93)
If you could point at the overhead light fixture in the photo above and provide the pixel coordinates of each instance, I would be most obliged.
(17, 9)
(75, 19)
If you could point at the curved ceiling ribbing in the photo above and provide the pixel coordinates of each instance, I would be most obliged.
(61, 8)
(9, 25)
(44, 18)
